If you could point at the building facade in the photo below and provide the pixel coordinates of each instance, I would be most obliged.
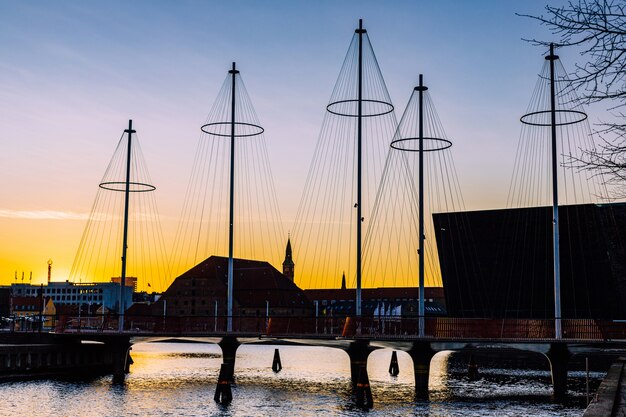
(377, 302)
(259, 290)
(70, 293)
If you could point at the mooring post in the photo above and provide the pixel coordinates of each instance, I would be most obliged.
(472, 369)
(421, 353)
(559, 356)
(276, 364)
(394, 368)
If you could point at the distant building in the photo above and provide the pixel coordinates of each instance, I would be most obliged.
(145, 297)
(129, 281)
(30, 308)
(5, 301)
(377, 302)
(63, 293)
(288, 265)
(202, 291)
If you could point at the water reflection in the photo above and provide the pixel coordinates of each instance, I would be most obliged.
(438, 381)
(179, 379)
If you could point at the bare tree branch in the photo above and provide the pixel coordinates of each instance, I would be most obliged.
(598, 29)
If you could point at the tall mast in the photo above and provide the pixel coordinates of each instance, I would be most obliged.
(229, 325)
(420, 89)
(555, 201)
(130, 132)
(359, 216)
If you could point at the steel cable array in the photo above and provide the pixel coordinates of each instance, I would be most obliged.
(325, 225)
(98, 257)
(532, 186)
(392, 239)
(204, 226)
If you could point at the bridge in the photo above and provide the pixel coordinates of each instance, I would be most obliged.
(352, 112)
(358, 337)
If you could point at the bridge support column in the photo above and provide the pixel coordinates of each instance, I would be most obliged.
(223, 391)
(421, 353)
(121, 359)
(229, 347)
(559, 356)
(358, 351)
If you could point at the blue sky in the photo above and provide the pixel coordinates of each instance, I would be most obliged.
(73, 72)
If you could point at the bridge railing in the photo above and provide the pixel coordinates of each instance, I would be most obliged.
(371, 327)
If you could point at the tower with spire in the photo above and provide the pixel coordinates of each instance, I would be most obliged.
(288, 264)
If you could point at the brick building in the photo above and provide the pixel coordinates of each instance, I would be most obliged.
(202, 290)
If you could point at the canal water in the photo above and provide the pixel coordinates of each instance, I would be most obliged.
(178, 379)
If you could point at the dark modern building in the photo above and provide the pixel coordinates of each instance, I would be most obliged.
(5, 301)
(499, 263)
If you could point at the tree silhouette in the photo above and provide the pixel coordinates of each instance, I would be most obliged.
(597, 28)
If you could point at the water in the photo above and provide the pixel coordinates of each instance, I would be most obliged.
(178, 379)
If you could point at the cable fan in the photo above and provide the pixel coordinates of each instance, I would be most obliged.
(550, 243)
(230, 205)
(123, 236)
(419, 178)
(346, 167)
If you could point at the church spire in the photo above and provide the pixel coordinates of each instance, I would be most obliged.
(343, 281)
(288, 265)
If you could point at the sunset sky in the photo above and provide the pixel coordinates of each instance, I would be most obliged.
(72, 73)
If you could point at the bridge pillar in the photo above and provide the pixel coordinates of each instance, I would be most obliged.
(559, 356)
(223, 392)
(229, 347)
(421, 353)
(120, 350)
(358, 351)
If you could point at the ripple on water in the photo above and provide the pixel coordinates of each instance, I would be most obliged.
(177, 379)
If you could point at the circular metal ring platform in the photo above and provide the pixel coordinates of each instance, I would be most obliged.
(214, 129)
(135, 187)
(535, 118)
(336, 108)
(430, 144)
